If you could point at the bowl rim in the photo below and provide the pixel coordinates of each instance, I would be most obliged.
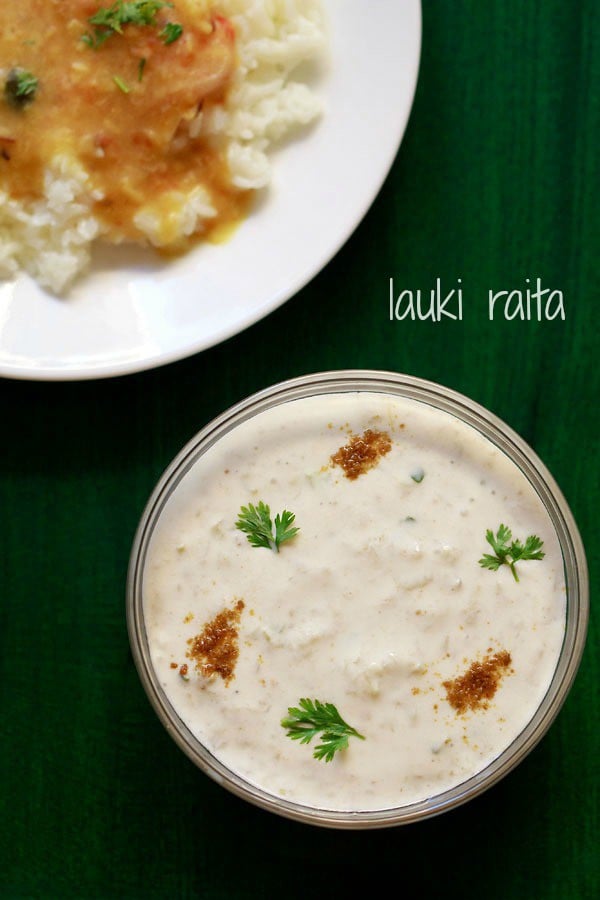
(509, 442)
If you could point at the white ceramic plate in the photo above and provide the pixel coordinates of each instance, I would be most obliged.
(133, 312)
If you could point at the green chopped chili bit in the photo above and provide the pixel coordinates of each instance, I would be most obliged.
(121, 84)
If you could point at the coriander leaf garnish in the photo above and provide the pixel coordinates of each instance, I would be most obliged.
(256, 523)
(311, 717)
(171, 33)
(508, 552)
(20, 87)
(110, 20)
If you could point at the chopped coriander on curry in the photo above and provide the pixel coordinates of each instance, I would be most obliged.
(110, 20)
(20, 87)
(171, 32)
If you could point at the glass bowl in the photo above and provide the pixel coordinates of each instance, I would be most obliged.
(494, 431)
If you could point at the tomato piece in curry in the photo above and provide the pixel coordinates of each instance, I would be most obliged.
(121, 107)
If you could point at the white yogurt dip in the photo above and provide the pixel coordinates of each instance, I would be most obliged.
(376, 605)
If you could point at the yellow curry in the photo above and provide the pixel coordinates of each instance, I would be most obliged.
(118, 87)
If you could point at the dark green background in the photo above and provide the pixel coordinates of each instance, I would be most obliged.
(497, 180)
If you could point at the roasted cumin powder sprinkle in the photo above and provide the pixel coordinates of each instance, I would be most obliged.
(362, 452)
(215, 650)
(477, 686)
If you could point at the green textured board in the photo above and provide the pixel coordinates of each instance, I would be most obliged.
(497, 181)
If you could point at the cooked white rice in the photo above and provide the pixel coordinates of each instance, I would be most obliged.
(51, 238)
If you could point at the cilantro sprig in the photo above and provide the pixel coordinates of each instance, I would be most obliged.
(312, 717)
(108, 21)
(256, 523)
(508, 551)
